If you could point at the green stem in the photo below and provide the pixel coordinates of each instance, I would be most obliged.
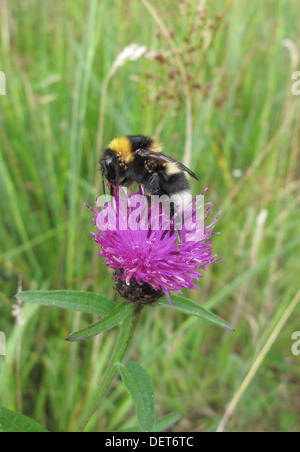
(126, 332)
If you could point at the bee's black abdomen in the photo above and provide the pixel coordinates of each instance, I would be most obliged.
(173, 184)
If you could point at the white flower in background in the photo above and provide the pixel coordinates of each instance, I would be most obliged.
(132, 52)
(17, 308)
(17, 312)
(237, 173)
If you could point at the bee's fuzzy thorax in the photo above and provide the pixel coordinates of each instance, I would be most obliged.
(123, 147)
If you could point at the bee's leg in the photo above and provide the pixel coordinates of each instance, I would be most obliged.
(179, 238)
(176, 225)
(124, 182)
(175, 229)
(152, 185)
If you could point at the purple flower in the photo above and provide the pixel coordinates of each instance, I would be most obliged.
(151, 259)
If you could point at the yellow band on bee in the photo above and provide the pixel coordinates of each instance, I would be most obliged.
(172, 168)
(123, 146)
(156, 146)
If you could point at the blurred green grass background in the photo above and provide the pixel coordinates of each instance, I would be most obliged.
(235, 60)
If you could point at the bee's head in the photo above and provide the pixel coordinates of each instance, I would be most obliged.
(115, 160)
(110, 167)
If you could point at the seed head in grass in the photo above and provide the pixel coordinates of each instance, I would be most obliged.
(146, 256)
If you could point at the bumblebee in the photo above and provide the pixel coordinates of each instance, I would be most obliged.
(139, 159)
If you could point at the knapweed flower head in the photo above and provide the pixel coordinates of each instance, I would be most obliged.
(150, 259)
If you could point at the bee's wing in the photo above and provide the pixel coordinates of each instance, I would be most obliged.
(164, 158)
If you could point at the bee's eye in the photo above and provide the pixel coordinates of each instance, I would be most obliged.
(111, 170)
(108, 161)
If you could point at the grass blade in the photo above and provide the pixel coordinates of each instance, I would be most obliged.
(70, 299)
(161, 425)
(13, 422)
(120, 313)
(189, 307)
(139, 386)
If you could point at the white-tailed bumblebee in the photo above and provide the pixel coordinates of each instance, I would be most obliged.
(139, 159)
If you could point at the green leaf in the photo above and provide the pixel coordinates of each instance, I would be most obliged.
(161, 425)
(12, 422)
(120, 313)
(140, 388)
(70, 299)
(166, 422)
(189, 307)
